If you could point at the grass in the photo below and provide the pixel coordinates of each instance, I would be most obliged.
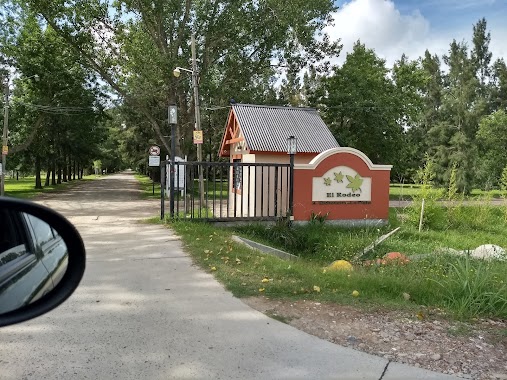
(214, 190)
(398, 191)
(149, 189)
(459, 286)
(25, 186)
(432, 281)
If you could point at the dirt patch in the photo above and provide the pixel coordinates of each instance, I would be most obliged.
(426, 340)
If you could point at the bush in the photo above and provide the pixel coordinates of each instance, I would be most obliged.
(434, 216)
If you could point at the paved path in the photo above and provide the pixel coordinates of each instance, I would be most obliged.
(143, 311)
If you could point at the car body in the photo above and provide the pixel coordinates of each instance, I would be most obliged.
(33, 259)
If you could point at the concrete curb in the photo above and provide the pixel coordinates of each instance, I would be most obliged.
(264, 248)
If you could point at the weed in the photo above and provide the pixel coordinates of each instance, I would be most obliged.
(318, 218)
(470, 289)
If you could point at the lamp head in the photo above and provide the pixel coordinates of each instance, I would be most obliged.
(177, 72)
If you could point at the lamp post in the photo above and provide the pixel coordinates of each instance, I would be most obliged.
(194, 72)
(5, 135)
(173, 121)
(291, 151)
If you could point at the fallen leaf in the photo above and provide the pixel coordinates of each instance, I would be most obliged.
(264, 280)
(316, 288)
(406, 296)
(213, 268)
(261, 289)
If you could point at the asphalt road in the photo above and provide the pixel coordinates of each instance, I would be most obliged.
(143, 311)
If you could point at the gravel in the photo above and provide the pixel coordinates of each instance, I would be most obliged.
(425, 339)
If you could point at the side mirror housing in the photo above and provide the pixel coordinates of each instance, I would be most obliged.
(42, 260)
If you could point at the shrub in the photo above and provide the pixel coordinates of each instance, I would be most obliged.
(434, 215)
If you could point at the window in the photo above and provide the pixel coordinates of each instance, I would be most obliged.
(237, 174)
(42, 231)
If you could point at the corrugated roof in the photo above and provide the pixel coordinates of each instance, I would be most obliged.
(266, 128)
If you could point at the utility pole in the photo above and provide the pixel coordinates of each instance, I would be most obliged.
(197, 118)
(5, 133)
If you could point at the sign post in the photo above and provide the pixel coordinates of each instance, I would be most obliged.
(154, 160)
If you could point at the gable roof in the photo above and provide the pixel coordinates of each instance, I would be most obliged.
(266, 128)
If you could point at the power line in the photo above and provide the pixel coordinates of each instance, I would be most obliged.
(58, 110)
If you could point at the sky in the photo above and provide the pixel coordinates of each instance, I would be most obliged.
(394, 27)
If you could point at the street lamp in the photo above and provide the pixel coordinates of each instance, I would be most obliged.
(5, 139)
(177, 71)
(291, 150)
(194, 72)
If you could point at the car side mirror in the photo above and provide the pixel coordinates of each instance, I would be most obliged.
(42, 260)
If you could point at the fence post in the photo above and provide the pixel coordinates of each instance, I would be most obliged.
(422, 216)
(291, 190)
(162, 190)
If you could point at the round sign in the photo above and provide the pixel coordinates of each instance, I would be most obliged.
(154, 150)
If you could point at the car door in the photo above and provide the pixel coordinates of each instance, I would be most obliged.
(23, 276)
(49, 246)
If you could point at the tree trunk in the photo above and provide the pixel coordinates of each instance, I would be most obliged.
(74, 171)
(59, 180)
(64, 168)
(53, 173)
(82, 173)
(69, 168)
(38, 183)
(48, 175)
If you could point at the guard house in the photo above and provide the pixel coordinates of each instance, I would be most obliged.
(256, 138)
(340, 182)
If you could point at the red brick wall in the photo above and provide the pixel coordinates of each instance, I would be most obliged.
(378, 208)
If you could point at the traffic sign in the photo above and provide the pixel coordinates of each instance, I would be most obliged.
(5, 150)
(154, 161)
(154, 150)
(197, 137)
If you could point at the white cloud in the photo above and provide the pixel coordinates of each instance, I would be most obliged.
(381, 26)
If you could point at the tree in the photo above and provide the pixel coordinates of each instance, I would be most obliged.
(499, 91)
(135, 46)
(361, 107)
(481, 55)
(452, 140)
(54, 120)
(492, 142)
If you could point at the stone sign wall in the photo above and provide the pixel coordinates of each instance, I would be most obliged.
(343, 183)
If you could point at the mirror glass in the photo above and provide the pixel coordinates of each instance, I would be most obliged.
(33, 259)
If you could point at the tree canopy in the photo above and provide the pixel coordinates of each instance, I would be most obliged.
(106, 80)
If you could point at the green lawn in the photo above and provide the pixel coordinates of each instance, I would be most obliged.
(150, 189)
(461, 288)
(398, 191)
(456, 286)
(25, 186)
(214, 190)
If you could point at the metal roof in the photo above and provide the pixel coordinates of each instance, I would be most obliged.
(266, 128)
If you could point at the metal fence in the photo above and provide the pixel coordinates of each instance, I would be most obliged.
(232, 191)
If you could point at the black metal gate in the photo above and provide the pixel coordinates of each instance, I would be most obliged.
(229, 191)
